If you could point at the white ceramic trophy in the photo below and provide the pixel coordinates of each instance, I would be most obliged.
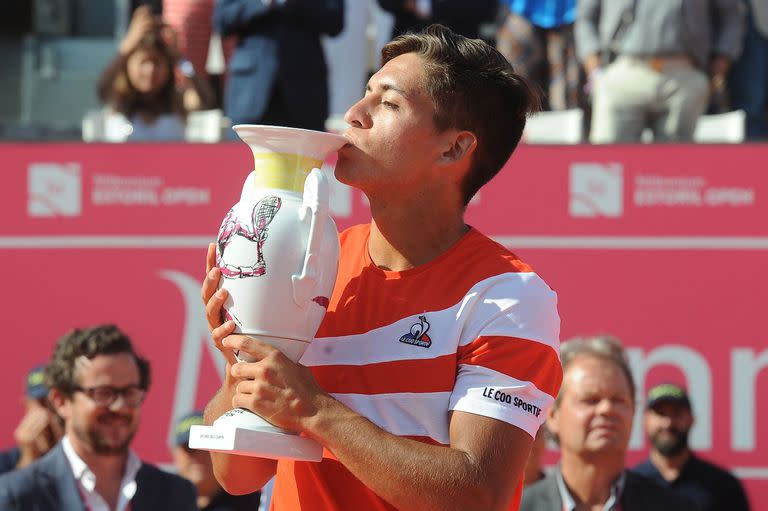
(278, 253)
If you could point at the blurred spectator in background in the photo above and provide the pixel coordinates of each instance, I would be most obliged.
(748, 80)
(277, 73)
(40, 428)
(192, 21)
(668, 420)
(652, 64)
(140, 89)
(97, 383)
(533, 470)
(536, 37)
(592, 422)
(462, 16)
(196, 466)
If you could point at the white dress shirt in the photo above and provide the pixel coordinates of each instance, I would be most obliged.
(612, 504)
(86, 480)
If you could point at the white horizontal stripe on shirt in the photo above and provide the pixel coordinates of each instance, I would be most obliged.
(404, 413)
(511, 304)
(484, 392)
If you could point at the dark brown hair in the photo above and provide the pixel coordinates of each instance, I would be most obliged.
(115, 88)
(89, 342)
(473, 88)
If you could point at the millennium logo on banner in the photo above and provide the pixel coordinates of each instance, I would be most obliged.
(596, 190)
(54, 189)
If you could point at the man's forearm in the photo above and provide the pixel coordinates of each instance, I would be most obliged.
(236, 474)
(414, 475)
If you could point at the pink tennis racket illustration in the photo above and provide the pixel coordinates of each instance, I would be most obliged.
(256, 231)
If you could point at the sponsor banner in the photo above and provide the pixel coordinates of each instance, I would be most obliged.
(662, 246)
(665, 190)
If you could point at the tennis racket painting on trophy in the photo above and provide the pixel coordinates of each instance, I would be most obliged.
(263, 213)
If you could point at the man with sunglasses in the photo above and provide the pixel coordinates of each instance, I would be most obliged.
(97, 385)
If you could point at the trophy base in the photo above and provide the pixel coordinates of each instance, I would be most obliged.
(242, 432)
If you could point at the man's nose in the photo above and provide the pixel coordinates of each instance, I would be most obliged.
(606, 406)
(120, 403)
(357, 115)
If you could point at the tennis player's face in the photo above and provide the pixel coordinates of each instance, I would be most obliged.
(393, 140)
(596, 410)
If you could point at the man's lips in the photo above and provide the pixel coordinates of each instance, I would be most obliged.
(606, 427)
(115, 420)
(350, 140)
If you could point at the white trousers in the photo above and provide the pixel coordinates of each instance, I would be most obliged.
(631, 95)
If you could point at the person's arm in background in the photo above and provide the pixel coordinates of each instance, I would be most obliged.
(587, 37)
(36, 434)
(728, 18)
(238, 475)
(142, 22)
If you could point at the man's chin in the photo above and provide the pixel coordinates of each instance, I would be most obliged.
(113, 446)
(112, 450)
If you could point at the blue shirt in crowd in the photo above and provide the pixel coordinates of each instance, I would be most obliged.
(545, 13)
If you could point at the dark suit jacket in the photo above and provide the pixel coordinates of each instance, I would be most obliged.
(48, 485)
(462, 16)
(278, 52)
(640, 494)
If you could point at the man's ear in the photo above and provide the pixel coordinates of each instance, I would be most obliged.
(60, 403)
(462, 146)
(553, 421)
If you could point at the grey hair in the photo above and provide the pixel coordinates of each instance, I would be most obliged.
(604, 347)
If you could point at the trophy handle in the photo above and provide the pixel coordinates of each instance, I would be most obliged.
(316, 197)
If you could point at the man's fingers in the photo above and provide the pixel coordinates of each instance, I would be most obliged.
(256, 349)
(210, 257)
(214, 307)
(210, 284)
(218, 334)
(221, 332)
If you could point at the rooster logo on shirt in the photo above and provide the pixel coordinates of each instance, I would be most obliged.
(418, 334)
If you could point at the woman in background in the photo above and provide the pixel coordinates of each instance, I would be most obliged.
(144, 98)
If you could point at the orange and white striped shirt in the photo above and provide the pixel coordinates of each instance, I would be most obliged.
(474, 330)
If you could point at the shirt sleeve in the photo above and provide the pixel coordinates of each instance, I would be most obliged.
(508, 359)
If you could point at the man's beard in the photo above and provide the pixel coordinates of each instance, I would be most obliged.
(671, 445)
(98, 441)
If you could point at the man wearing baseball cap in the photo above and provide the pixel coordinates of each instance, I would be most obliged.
(668, 421)
(195, 465)
(39, 429)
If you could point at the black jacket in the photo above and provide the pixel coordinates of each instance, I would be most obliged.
(49, 485)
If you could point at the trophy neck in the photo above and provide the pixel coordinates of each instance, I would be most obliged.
(284, 171)
(284, 157)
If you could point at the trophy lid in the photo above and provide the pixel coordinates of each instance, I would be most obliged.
(281, 139)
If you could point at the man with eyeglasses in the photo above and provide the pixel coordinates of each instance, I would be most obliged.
(97, 383)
